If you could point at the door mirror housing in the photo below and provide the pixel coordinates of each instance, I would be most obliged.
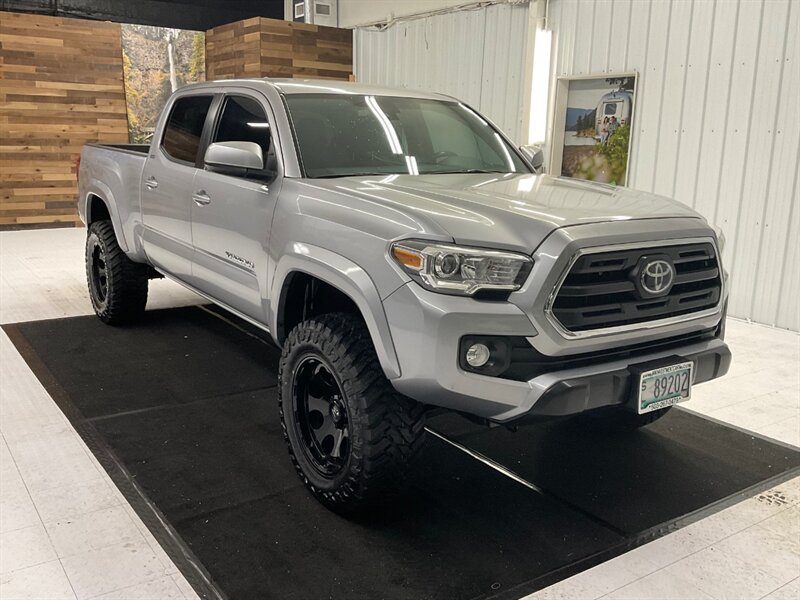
(535, 156)
(234, 157)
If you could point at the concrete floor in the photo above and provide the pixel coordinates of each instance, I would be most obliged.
(66, 532)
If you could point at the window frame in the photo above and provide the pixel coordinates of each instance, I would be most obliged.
(215, 116)
(217, 123)
(203, 132)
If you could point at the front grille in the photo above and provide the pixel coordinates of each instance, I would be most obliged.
(600, 290)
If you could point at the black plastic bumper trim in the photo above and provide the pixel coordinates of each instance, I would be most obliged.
(581, 394)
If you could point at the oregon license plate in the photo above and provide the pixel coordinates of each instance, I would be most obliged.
(665, 386)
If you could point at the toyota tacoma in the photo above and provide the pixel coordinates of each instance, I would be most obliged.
(404, 254)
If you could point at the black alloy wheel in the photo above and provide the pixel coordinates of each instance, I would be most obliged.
(98, 279)
(320, 416)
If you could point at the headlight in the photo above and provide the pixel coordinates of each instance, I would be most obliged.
(458, 270)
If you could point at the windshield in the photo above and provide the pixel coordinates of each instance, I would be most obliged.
(345, 134)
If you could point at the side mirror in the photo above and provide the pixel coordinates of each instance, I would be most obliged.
(535, 156)
(234, 156)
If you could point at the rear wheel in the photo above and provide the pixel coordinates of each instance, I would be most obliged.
(117, 285)
(351, 436)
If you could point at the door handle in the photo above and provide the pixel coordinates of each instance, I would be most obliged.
(151, 183)
(201, 198)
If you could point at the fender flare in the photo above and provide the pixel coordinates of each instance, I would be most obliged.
(350, 279)
(104, 193)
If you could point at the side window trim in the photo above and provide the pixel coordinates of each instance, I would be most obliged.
(212, 116)
(200, 148)
(217, 109)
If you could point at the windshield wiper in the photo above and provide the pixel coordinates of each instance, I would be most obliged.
(459, 172)
(352, 175)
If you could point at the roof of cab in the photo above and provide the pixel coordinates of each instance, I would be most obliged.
(324, 86)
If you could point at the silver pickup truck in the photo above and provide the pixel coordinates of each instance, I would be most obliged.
(405, 255)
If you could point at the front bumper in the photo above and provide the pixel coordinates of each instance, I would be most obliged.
(612, 384)
(427, 327)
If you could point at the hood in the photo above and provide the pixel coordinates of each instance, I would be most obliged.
(511, 211)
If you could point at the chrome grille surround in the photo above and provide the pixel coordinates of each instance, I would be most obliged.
(550, 310)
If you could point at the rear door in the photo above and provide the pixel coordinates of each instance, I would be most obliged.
(232, 214)
(167, 184)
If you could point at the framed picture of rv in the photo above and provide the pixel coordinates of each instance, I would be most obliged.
(592, 127)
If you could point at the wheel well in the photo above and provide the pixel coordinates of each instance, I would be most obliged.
(304, 296)
(96, 210)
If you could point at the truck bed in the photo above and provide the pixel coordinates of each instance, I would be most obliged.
(115, 171)
(132, 148)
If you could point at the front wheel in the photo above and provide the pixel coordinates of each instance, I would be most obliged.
(117, 285)
(351, 436)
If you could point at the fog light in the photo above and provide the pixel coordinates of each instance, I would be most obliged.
(477, 355)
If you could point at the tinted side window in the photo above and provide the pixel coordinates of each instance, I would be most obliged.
(244, 120)
(185, 127)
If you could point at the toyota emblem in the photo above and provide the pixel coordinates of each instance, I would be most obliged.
(657, 277)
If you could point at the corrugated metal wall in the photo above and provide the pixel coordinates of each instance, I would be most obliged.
(717, 122)
(477, 56)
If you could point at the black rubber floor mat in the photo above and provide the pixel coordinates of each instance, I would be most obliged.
(182, 408)
(638, 480)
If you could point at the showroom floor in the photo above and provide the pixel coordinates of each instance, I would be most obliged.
(66, 532)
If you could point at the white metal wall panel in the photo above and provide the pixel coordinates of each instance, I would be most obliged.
(761, 143)
(693, 120)
(477, 56)
(717, 125)
(780, 231)
(620, 13)
(668, 135)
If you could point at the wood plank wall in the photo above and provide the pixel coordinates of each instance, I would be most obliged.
(234, 50)
(260, 47)
(61, 86)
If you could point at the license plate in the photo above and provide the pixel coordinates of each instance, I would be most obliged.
(665, 386)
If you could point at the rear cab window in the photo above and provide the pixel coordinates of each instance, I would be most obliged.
(184, 129)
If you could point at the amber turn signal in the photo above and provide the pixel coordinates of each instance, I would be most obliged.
(408, 258)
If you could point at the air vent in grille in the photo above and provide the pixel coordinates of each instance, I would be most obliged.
(600, 289)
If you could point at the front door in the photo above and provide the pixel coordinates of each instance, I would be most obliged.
(167, 186)
(232, 213)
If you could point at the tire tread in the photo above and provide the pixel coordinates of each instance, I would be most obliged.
(128, 280)
(392, 424)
